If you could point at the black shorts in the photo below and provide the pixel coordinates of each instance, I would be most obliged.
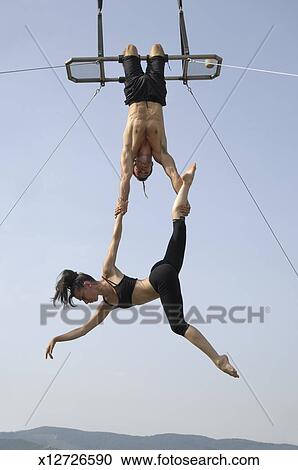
(140, 86)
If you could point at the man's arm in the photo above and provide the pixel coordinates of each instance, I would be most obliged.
(126, 174)
(170, 169)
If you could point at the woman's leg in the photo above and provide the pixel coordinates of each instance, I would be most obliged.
(197, 339)
(176, 247)
(164, 278)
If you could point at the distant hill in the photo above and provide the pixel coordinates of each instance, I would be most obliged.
(65, 438)
(19, 444)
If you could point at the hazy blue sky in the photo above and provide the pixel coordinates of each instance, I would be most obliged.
(142, 379)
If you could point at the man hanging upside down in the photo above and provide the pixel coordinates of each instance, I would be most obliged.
(144, 136)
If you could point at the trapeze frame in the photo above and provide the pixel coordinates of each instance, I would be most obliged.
(103, 79)
(185, 57)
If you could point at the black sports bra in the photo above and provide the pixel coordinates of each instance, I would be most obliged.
(123, 290)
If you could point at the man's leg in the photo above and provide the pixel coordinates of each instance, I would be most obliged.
(156, 93)
(133, 74)
(156, 62)
(131, 49)
(135, 131)
(131, 63)
(157, 49)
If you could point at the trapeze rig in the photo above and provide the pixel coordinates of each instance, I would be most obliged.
(194, 66)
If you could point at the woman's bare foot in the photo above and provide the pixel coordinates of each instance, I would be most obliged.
(181, 205)
(189, 174)
(223, 364)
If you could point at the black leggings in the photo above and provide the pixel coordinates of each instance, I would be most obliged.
(164, 278)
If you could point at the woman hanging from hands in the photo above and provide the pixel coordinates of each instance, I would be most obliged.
(120, 291)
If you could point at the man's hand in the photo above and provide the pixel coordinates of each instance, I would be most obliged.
(50, 348)
(121, 207)
(188, 207)
(168, 163)
(185, 209)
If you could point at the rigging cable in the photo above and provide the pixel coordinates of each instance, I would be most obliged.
(244, 183)
(50, 156)
(240, 67)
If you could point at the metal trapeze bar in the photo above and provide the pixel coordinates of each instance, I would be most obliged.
(168, 78)
(77, 62)
(118, 58)
(122, 79)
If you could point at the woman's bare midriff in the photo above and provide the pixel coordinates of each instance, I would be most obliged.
(143, 292)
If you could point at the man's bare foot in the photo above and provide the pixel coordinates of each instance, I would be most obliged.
(189, 174)
(223, 364)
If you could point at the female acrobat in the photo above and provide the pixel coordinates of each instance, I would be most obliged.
(120, 291)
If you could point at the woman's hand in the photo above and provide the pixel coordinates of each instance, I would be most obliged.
(50, 348)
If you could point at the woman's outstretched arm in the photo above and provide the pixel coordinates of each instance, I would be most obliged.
(101, 312)
(110, 260)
